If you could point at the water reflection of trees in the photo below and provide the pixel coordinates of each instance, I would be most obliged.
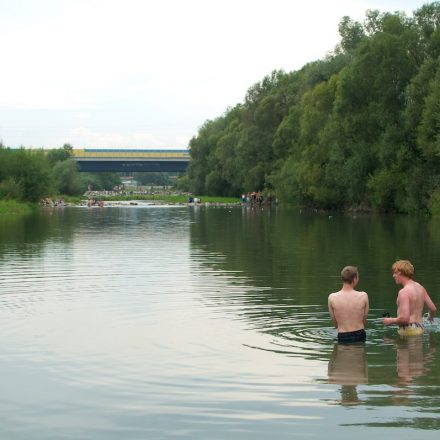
(29, 234)
(293, 259)
(304, 252)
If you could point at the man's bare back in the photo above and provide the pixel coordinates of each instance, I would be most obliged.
(411, 298)
(412, 294)
(348, 308)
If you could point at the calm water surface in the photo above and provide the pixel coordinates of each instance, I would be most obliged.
(149, 322)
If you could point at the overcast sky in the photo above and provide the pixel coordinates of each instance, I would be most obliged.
(148, 73)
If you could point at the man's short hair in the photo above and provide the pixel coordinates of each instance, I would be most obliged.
(349, 273)
(404, 267)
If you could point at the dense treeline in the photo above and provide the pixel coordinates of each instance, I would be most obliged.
(29, 175)
(155, 178)
(359, 128)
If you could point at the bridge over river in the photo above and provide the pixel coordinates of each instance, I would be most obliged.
(148, 160)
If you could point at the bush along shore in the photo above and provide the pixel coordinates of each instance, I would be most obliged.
(13, 207)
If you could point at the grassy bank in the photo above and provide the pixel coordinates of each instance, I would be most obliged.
(168, 198)
(12, 207)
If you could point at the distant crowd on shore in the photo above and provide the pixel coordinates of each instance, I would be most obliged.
(47, 201)
(92, 197)
(194, 200)
(257, 198)
(94, 202)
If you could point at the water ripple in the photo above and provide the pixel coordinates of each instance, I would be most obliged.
(134, 323)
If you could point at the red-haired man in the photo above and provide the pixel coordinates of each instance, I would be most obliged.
(410, 301)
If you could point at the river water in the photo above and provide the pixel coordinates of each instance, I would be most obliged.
(167, 322)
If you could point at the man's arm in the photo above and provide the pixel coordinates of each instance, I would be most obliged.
(403, 310)
(332, 312)
(366, 308)
(431, 306)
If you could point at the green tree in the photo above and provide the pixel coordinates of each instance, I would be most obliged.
(160, 179)
(351, 32)
(100, 181)
(10, 188)
(59, 154)
(32, 170)
(67, 178)
(357, 128)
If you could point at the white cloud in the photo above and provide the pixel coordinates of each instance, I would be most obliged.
(127, 60)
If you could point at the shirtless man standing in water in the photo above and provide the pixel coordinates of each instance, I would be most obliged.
(349, 308)
(410, 301)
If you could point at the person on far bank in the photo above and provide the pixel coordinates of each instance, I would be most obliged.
(410, 301)
(348, 308)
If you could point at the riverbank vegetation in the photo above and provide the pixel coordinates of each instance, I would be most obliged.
(358, 129)
(28, 175)
(15, 207)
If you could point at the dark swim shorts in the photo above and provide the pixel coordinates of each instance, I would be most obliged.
(356, 336)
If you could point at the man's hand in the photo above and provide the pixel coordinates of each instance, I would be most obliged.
(388, 321)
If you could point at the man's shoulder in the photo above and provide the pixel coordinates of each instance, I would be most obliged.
(333, 294)
(362, 294)
(419, 286)
(405, 290)
(404, 293)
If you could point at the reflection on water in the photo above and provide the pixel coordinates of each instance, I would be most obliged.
(164, 322)
(348, 368)
(411, 360)
(406, 389)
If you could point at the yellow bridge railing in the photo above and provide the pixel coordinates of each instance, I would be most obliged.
(127, 154)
